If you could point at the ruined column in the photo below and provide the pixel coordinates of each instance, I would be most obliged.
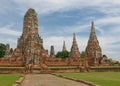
(52, 52)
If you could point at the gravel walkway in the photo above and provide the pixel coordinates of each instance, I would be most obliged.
(48, 80)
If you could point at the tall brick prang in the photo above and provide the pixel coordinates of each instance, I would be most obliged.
(74, 53)
(30, 43)
(93, 50)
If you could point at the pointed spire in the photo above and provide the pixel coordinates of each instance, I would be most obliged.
(64, 46)
(74, 53)
(93, 36)
(92, 27)
(74, 37)
(93, 50)
(74, 40)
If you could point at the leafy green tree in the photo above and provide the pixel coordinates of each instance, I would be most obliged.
(2, 49)
(62, 54)
(82, 54)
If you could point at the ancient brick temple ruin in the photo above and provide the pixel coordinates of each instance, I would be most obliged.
(93, 52)
(30, 43)
(74, 53)
(30, 48)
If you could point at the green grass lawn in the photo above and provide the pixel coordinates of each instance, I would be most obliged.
(99, 78)
(8, 79)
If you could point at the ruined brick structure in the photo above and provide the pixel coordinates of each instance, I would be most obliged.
(64, 46)
(30, 43)
(30, 48)
(7, 52)
(73, 59)
(74, 53)
(52, 52)
(93, 51)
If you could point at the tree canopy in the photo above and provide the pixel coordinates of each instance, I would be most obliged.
(82, 54)
(2, 49)
(62, 54)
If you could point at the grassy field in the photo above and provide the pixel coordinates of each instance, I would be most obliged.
(100, 78)
(8, 79)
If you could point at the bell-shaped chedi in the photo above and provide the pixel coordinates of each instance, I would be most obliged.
(74, 53)
(30, 43)
(93, 50)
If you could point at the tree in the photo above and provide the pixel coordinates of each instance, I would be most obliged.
(62, 54)
(82, 54)
(2, 49)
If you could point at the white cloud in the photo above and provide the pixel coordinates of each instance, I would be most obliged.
(51, 6)
(9, 35)
(108, 20)
(9, 40)
(6, 30)
(73, 28)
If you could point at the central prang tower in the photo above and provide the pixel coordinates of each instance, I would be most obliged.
(93, 50)
(30, 43)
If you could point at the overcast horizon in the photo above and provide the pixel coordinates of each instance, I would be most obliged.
(59, 19)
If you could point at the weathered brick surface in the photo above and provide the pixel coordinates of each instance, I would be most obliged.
(93, 51)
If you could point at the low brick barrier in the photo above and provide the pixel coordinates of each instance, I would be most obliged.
(6, 70)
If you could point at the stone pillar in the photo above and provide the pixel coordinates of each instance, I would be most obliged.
(7, 52)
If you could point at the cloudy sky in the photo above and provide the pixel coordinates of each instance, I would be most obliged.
(59, 19)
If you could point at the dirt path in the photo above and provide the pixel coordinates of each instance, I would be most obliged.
(48, 80)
